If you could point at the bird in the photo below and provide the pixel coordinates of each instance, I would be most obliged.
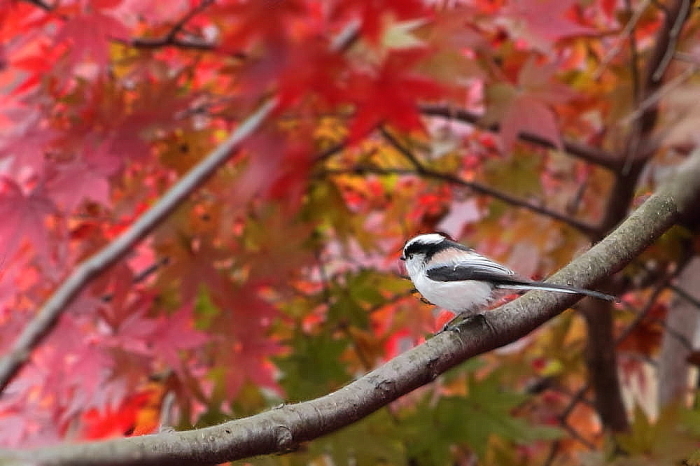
(454, 277)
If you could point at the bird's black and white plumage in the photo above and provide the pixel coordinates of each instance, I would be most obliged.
(458, 279)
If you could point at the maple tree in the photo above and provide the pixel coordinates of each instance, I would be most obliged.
(203, 205)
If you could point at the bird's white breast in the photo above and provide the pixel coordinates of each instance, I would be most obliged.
(467, 296)
(460, 297)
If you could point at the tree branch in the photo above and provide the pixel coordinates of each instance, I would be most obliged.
(158, 42)
(39, 3)
(282, 429)
(639, 148)
(587, 153)
(479, 188)
(171, 39)
(48, 315)
(426, 172)
(601, 361)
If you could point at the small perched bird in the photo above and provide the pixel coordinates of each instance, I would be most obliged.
(458, 279)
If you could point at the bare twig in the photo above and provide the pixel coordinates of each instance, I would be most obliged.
(576, 435)
(329, 152)
(634, 52)
(48, 315)
(676, 25)
(627, 31)
(141, 276)
(587, 153)
(552, 455)
(43, 5)
(158, 42)
(653, 99)
(627, 331)
(426, 172)
(578, 396)
(179, 26)
(685, 295)
(479, 188)
(171, 39)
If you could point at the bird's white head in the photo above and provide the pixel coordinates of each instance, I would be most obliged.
(418, 250)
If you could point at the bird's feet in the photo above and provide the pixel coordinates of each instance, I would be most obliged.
(460, 320)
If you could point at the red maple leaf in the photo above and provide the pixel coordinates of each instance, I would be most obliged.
(72, 182)
(88, 35)
(372, 13)
(266, 19)
(246, 348)
(24, 217)
(527, 108)
(25, 142)
(137, 415)
(545, 21)
(529, 115)
(173, 334)
(391, 94)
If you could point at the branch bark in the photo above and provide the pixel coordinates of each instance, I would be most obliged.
(282, 429)
(47, 317)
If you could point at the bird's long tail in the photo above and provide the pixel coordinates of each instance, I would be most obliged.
(527, 285)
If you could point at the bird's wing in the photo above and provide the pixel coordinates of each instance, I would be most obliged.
(471, 267)
(502, 277)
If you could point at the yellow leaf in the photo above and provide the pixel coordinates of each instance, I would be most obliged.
(400, 35)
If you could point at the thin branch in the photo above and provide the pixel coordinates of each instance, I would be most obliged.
(426, 172)
(578, 396)
(405, 151)
(171, 39)
(627, 331)
(347, 36)
(360, 170)
(158, 42)
(179, 26)
(673, 32)
(661, 7)
(84, 273)
(329, 152)
(589, 154)
(653, 99)
(576, 435)
(634, 53)
(284, 428)
(627, 31)
(552, 455)
(141, 276)
(685, 295)
(44, 6)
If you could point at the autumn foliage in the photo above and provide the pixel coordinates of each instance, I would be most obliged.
(526, 128)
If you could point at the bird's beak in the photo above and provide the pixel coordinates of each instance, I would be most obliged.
(403, 258)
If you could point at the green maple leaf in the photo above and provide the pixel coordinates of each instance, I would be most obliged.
(312, 368)
(472, 420)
